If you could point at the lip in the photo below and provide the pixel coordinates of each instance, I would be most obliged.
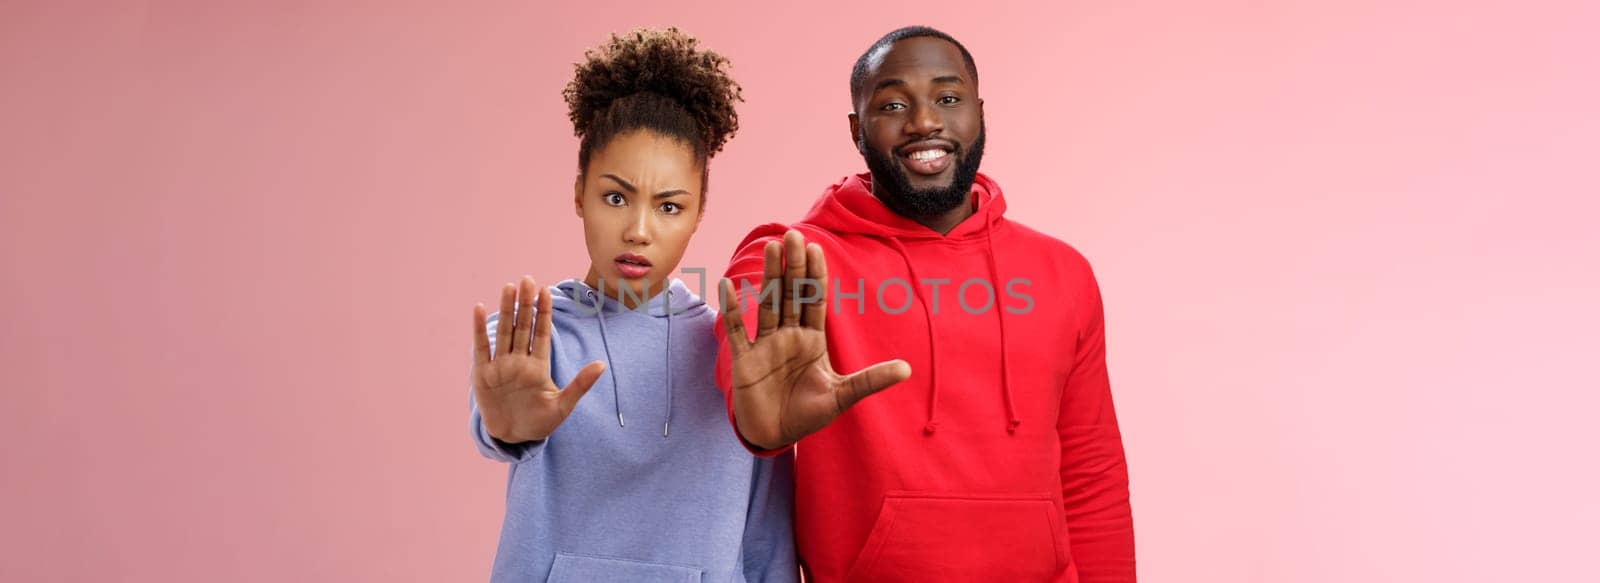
(927, 167)
(929, 144)
(632, 265)
(634, 258)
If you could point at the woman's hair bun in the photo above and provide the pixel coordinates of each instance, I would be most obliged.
(649, 75)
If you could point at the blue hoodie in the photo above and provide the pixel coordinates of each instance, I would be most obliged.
(645, 481)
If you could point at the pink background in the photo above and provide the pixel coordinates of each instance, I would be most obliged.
(1348, 252)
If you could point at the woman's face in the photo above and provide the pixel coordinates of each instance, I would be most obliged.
(640, 203)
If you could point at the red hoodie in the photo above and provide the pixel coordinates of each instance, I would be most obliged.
(1000, 459)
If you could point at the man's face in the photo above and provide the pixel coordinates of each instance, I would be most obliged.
(919, 125)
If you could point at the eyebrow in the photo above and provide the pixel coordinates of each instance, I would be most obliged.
(887, 83)
(633, 189)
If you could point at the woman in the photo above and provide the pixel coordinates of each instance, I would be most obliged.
(641, 480)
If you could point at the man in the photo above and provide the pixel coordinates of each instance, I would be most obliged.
(1000, 459)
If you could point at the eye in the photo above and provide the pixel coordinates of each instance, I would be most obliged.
(614, 199)
(892, 107)
(671, 208)
(949, 100)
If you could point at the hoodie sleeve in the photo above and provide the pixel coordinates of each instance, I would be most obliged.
(768, 551)
(1094, 472)
(744, 267)
(489, 446)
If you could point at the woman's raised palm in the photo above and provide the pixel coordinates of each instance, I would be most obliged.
(511, 375)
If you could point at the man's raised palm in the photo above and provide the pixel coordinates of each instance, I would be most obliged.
(784, 387)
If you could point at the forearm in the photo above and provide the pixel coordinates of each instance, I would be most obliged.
(768, 549)
(1094, 468)
(1094, 479)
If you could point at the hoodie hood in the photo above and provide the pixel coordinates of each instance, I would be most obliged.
(849, 207)
(577, 298)
(676, 302)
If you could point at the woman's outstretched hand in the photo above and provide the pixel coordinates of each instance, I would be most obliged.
(511, 380)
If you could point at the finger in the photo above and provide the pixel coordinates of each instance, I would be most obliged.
(502, 327)
(870, 380)
(541, 325)
(580, 386)
(480, 335)
(525, 295)
(815, 311)
(733, 317)
(771, 283)
(794, 269)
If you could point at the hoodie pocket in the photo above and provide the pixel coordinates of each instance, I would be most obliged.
(571, 568)
(1004, 537)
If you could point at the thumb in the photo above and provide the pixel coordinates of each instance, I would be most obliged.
(580, 385)
(870, 380)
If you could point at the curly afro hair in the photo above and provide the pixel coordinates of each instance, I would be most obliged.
(656, 80)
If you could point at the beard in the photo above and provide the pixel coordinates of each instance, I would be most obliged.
(892, 185)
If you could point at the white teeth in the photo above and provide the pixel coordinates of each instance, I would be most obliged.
(926, 155)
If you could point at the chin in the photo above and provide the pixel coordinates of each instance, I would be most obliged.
(616, 282)
(640, 286)
(932, 183)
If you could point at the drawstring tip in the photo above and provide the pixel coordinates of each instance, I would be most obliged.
(619, 420)
(665, 427)
(1012, 426)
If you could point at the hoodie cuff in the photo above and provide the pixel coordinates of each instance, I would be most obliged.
(756, 449)
(507, 452)
(518, 451)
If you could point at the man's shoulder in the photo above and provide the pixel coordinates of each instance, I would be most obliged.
(774, 232)
(764, 231)
(1042, 244)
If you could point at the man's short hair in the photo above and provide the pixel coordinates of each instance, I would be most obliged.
(858, 74)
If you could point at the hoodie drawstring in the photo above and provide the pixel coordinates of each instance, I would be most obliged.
(933, 346)
(1005, 369)
(1012, 421)
(599, 301)
(667, 427)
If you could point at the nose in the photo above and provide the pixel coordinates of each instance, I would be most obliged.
(638, 230)
(925, 121)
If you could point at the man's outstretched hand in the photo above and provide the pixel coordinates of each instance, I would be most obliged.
(784, 388)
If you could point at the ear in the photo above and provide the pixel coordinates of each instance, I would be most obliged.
(855, 129)
(577, 196)
(980, 108)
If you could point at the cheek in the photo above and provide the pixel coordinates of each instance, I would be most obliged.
(967, 124)
(884, 132)
(880, 141)
(677, 232)
(595, 231)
